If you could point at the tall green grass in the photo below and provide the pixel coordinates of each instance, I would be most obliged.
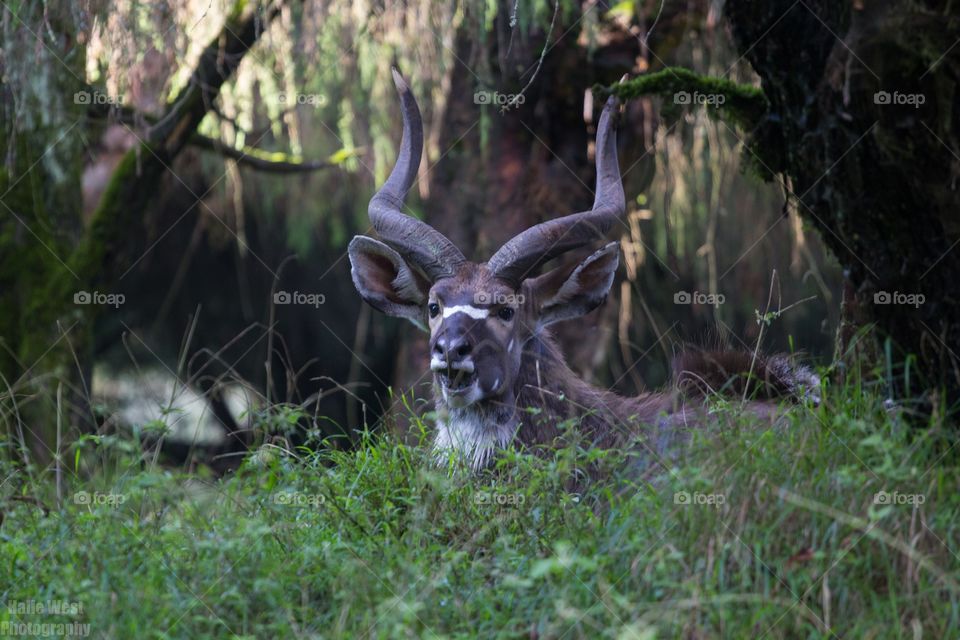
(757, 532)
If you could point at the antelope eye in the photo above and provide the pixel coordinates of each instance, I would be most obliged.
(434, 309)
(505, 314)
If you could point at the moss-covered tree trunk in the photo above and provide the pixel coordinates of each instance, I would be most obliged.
(864, 119)
(43, 117)
(56, 271)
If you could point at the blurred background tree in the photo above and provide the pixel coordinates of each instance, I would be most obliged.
(224, 156)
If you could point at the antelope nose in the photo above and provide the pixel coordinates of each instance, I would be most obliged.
(453, 349)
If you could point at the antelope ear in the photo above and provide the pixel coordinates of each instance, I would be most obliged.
(386, 282)
(562, 294)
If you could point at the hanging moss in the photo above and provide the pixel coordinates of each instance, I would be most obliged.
(741, 104)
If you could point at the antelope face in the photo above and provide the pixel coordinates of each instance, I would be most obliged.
(476, 336)
(478, 322)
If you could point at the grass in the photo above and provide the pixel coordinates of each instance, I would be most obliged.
(763, 533)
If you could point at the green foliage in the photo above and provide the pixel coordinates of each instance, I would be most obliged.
(754, 531)
(742, 104)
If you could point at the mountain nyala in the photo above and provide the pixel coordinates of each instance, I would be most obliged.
(499, 377)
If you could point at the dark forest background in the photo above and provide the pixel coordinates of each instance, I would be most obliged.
(205, 162)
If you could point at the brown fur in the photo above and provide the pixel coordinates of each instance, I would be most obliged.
(756, 376)
(550, 395)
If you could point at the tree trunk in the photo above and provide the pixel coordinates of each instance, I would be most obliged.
(39, 224)
(864, 119)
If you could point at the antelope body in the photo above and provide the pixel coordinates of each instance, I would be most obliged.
(499, 378)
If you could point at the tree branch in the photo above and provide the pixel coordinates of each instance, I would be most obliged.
(217, 63)
(271, 161)
(135, 180)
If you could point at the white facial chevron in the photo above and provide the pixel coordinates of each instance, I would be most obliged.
(474, 312)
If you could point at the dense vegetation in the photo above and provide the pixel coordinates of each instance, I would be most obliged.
(836, 524)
